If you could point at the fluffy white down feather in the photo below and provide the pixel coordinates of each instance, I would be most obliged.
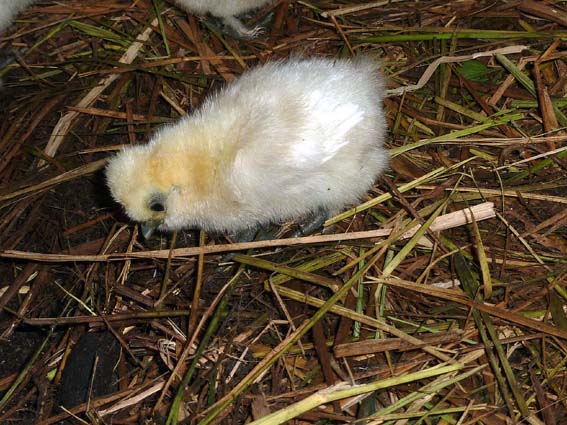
(221, 8)
(9, 9)
(285, 139)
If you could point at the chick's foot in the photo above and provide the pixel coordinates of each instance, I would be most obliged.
(312, 223)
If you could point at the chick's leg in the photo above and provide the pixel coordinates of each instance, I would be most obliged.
(244, 235)
(240, 236)
(240, 30)
(312, 223)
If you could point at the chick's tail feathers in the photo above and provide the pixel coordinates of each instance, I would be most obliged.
(8, 11)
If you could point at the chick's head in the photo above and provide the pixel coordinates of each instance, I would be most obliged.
(134, 181)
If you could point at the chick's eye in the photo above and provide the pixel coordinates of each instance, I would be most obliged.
(157, 206)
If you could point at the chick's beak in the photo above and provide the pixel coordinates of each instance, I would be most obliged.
(148, 228)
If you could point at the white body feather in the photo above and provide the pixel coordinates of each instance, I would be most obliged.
(221, 8)
(9, 9)
(285, 139)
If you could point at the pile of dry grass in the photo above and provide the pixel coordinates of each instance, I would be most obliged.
(441, 299)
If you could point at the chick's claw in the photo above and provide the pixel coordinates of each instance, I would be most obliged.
(312, 223)
(239, 30)
(247, 234)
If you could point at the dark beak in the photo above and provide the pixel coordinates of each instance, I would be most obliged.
(148, 228)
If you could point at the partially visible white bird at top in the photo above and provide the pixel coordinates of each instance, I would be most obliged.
(227, 10)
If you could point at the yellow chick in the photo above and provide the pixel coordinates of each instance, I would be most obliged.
(227, 10)
(284, 140)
